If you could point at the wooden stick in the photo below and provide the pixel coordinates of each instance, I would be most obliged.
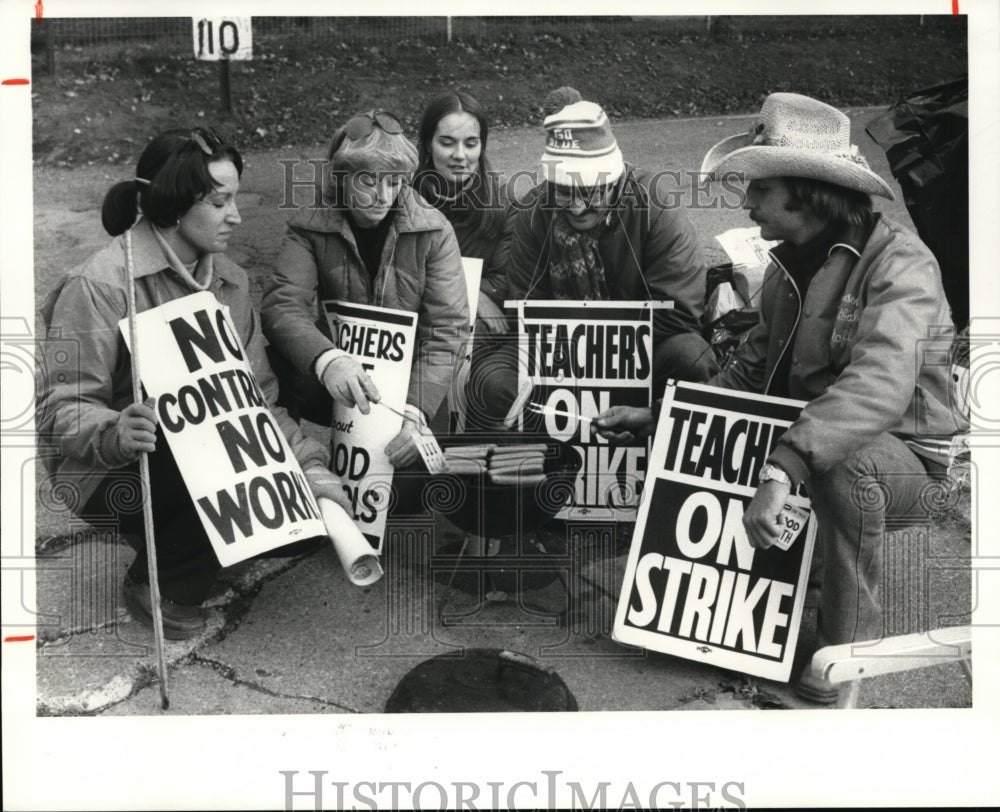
(390, 408)
(147, 491)
(537, 407)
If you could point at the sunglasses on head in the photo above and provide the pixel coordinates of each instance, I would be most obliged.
(362, 125)
(207, 140)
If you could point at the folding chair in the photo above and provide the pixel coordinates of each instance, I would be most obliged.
(847, 664)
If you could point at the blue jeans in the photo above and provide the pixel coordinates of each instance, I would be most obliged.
(852, 501)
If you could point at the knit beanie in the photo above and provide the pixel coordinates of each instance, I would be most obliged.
(559, 98)
(580, 149)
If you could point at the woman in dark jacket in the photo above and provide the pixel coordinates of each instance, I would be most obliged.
(454, 176)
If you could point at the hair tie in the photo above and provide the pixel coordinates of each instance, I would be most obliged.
(141, 180)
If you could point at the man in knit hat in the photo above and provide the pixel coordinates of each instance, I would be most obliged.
(594, 231)
(847, 306)
(559, 98)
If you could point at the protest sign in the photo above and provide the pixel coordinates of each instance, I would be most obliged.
(382, 340)
(693, 586)
(473, 268)
(241, 473)
(579, 359)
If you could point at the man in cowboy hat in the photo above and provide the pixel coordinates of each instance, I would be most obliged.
(595, 231)
(848, 303)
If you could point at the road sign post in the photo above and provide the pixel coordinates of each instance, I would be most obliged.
(222, 39)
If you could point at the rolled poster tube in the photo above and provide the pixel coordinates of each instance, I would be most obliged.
(356, 555)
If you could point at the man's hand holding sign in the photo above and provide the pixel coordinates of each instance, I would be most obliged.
(763, 516)
(699, 580)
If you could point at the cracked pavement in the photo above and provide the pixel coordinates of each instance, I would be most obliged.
(293, 636)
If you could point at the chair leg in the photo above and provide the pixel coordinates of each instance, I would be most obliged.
(848, 695)
(967, 669)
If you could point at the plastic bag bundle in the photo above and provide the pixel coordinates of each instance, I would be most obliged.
(728, 313)
(925, 139)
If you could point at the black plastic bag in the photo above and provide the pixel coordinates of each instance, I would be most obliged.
(925, 138)
(726, 332)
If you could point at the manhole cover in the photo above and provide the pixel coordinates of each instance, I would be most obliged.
(480, 681)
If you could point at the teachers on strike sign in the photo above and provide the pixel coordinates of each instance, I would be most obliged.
(581, 358)
(693, 585)
(241, 473)
(382, 340)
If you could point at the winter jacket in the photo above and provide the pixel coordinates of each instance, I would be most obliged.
(477, 215)
(421, 272)
(650, 251)
(868, 355)
(85, 366)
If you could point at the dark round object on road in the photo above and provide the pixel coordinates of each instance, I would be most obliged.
(480, 681)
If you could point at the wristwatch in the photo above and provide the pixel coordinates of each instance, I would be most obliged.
(769, 472)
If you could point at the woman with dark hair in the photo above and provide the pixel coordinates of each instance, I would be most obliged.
(454, 176)
(179, 211)
(373, 242)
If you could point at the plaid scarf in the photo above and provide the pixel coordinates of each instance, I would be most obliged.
(576, 270)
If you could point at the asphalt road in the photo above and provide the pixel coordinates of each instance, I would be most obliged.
(293, 638)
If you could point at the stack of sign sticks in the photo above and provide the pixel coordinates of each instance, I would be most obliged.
(504, 464)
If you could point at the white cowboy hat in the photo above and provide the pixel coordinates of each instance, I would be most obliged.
(797, 137)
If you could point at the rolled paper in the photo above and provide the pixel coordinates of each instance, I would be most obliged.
(356, 555)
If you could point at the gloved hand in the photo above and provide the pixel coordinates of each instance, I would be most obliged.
(136, 429)
(327, 485)
(401, 449)
(348, 383)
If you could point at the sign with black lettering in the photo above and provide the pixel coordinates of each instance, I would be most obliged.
(693, 586)
(241, 473)
(382, 340)
(217, 38)
(581, 358)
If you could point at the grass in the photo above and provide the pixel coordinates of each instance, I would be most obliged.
(106, 99)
